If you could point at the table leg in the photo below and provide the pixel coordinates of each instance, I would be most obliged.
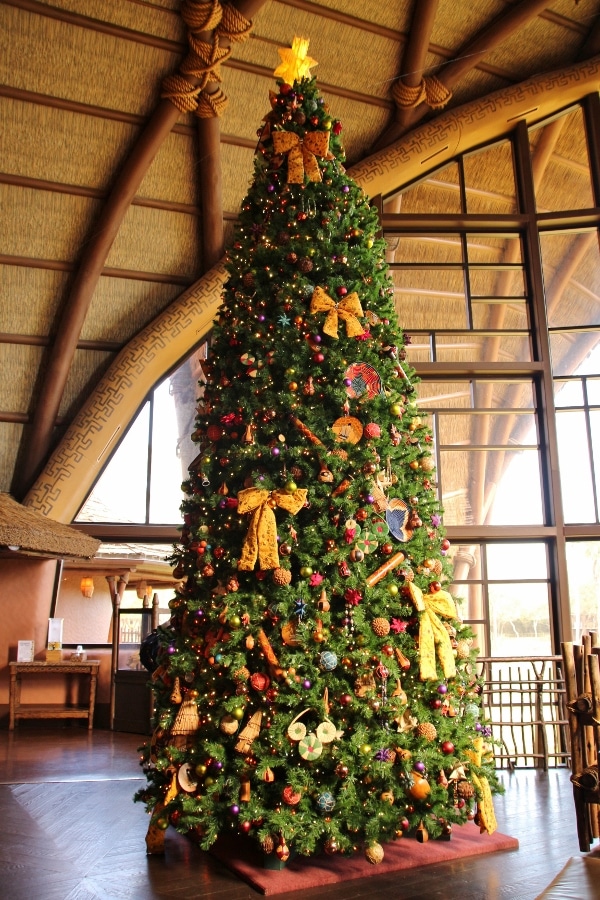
(14, 699)
(93, 679)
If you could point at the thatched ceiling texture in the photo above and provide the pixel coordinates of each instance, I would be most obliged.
(83, 269)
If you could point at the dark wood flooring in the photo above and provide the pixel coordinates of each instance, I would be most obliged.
(70, 831)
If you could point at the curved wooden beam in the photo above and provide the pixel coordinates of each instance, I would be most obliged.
(469, 56)
(39, 437)
(75, 464)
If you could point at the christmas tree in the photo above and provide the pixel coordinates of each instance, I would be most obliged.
(315, 687)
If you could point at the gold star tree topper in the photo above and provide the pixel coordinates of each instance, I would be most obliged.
(295, 62)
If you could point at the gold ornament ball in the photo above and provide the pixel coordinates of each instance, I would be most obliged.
(463, 649)
(374, 853)
(330, 846)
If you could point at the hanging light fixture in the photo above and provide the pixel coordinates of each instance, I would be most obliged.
(87, 586)
(141, 590)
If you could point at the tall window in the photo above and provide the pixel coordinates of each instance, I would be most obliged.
(495, 261)
(142, 481)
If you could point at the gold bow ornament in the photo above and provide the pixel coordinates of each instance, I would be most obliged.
(348, 309)
(261, 540)
(432, 634)
(486, 816)
(302, 154)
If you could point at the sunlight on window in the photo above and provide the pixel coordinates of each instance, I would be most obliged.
(120, 493)
(166, 475)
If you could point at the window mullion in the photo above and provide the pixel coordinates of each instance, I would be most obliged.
(549, 458)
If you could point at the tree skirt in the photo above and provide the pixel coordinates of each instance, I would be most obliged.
(308, 872)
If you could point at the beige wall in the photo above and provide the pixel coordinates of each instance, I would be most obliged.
(26, 588)
(86, 620)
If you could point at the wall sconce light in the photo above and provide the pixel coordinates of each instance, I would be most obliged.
(143, 591)
(87, 586)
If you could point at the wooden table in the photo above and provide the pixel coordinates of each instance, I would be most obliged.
(48, 710)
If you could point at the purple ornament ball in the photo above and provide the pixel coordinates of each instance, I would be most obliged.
(419, 767)
(442, 689)
(275, 451)
(234, 810)
(306, 684)
(345, 189)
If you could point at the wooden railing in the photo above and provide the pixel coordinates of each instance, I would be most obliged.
(524, 700)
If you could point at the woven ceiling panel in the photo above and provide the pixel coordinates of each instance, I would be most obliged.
(87, 369)
(173, 173)
(238, 163)
(42, 224)
(20, 363)
(543, 42)
(30, 298)
(55, 58)
(144, 17)
(83, 148)
(121, 307)
(10, 439)
(336, 46)
(156, 240)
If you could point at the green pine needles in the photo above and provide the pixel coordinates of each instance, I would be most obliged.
(315, 687)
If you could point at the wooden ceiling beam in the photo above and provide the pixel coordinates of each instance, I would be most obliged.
(415, 54)
(467, 58)
(38, 441)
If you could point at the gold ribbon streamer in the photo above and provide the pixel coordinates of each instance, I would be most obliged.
(302, 155)
(485, 804)
(347, 309)
(261, 540)
(432, 634)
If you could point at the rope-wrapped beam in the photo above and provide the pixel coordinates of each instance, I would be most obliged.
(202, 62)
(429, 90)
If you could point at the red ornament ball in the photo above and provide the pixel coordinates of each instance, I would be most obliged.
(448, 748)
(372, 430)
(341, 291)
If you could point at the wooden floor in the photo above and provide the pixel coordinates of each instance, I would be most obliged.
(70, 831)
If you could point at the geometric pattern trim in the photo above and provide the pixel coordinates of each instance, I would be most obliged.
(477, 122)
(95, 431)
(72, 469)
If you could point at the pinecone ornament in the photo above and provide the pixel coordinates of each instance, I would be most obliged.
(426, 730)
(381, 627)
